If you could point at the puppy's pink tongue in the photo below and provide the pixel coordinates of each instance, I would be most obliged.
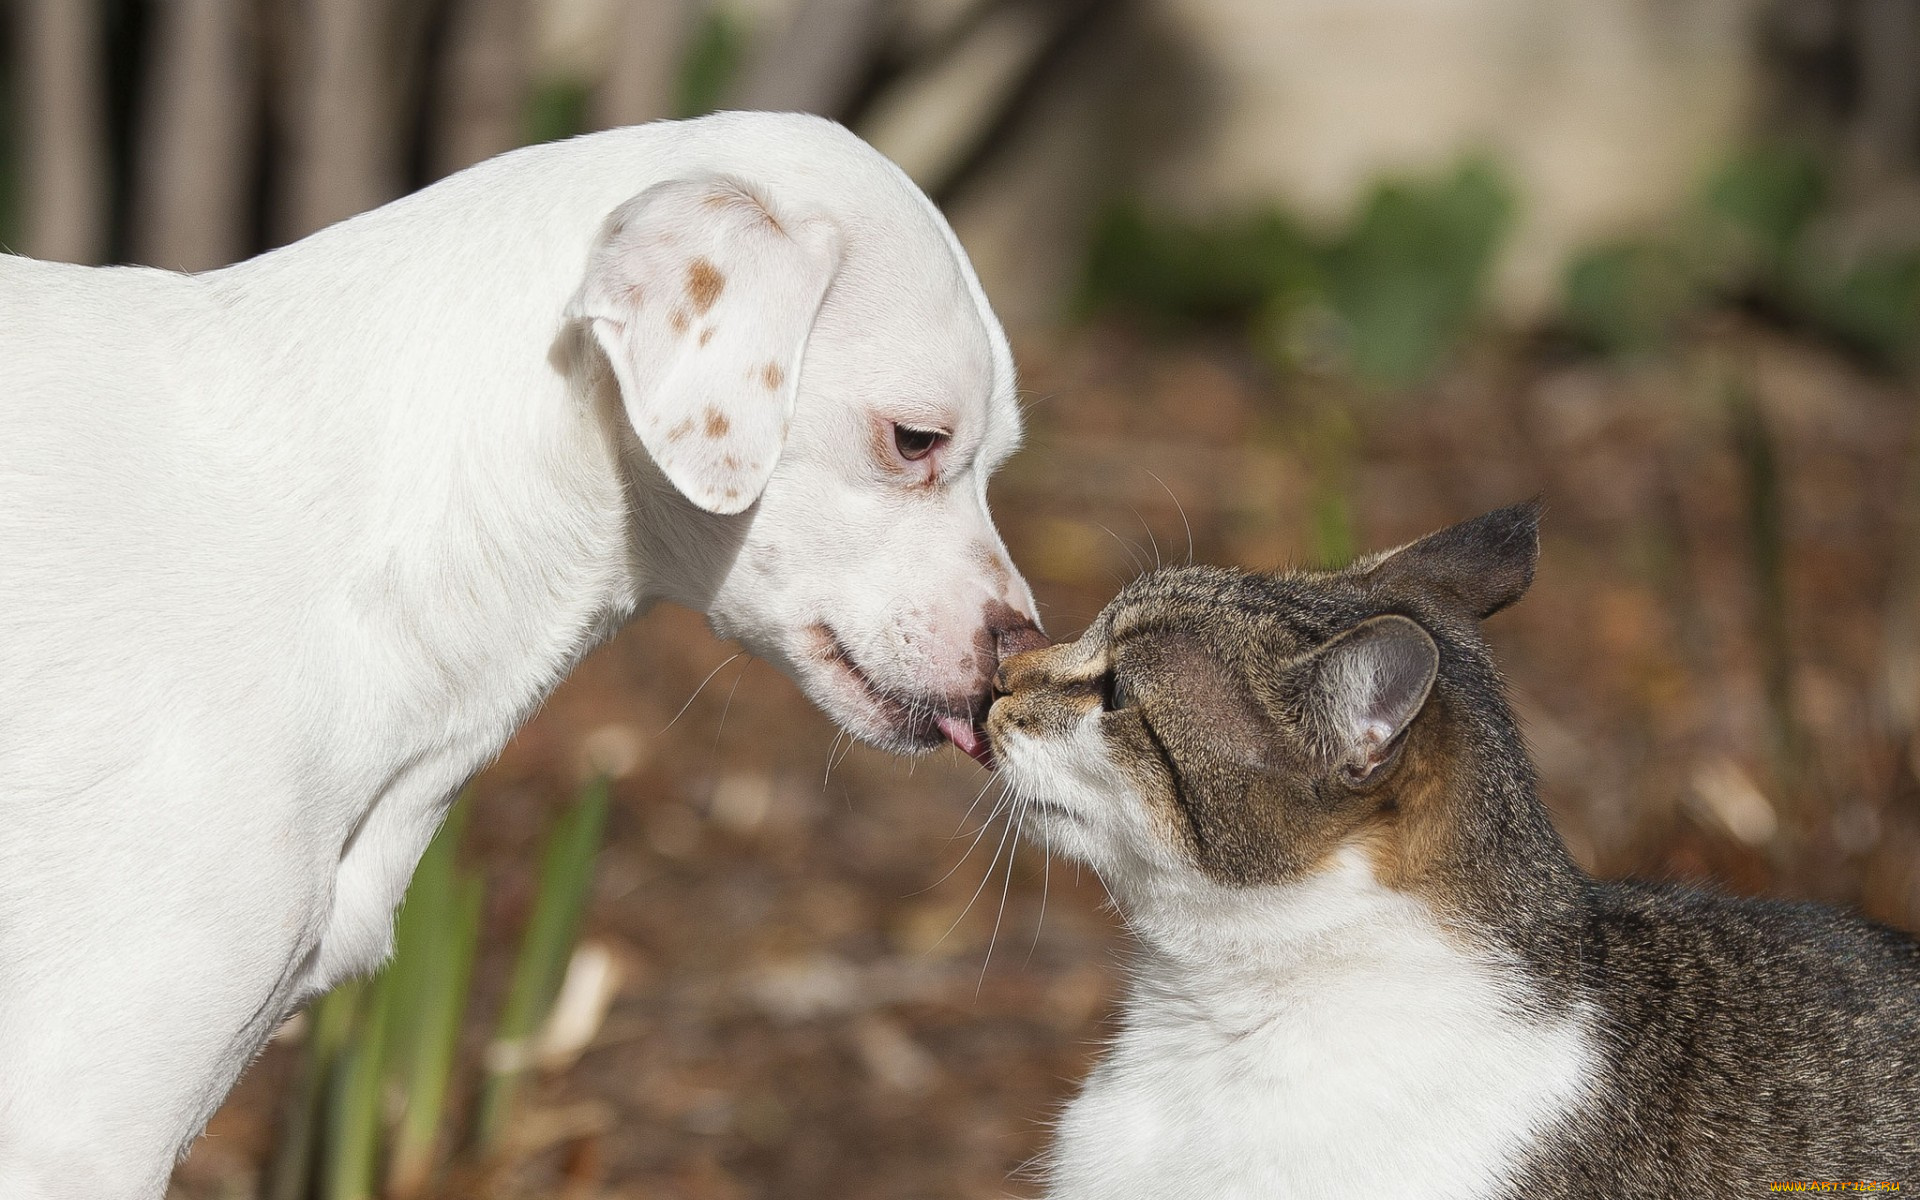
(971, 740)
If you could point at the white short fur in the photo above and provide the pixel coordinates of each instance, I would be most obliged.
(288, 550)
(1324, 1038)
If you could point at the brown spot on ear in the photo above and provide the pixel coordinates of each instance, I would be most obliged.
(731, 462)
(772, 376)
(706, 335)
(680, 430)
(678, 320)
(717, 423)
(733, 493)
(704, 284)
(636, 295)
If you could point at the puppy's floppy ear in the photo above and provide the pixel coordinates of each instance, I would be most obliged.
(1483, 565)
(702, 294)
(1361, 690)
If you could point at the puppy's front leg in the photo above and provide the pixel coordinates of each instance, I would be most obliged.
(128, 1012)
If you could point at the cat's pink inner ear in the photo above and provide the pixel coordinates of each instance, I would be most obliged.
(1374, 680)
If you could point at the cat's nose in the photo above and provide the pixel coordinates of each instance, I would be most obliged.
(1016, 670)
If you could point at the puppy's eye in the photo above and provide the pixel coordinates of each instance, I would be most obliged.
(915, 444)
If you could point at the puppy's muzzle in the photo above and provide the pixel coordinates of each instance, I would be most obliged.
(1007, 632)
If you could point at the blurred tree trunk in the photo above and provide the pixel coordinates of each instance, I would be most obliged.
(650, 40)
(482, 108)
(66, 198)
(818, 62)
(937, 115)
(1887, 133)
(195, 164)
(346, 138)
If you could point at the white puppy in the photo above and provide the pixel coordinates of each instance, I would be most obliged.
(288, 550)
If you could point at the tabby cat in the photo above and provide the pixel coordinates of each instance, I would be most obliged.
(1367, 966)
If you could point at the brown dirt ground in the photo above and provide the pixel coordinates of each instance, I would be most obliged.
(816, 1005)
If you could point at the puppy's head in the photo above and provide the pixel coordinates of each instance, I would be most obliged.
(819, 394)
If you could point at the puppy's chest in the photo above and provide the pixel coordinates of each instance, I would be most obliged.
(1412, 1079)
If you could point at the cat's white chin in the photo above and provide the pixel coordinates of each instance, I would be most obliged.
(1061, 831)
(1076, 804)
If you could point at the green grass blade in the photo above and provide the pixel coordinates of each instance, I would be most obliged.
(436, 1038)
(352, 1144)
(418, 932)
(426, 987)
(331, 1024)
(330, 1021)
(1766, 542)
(566, 875)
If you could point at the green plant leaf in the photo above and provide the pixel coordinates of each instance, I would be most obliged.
(1407, 278)
(1768, 195)
(294, 1167)
(557, 109)
(1224, 272)
(1630, 295)
(1875, 306)
(566, 878)
(351, 1141)
(436, 936)
(712, 61)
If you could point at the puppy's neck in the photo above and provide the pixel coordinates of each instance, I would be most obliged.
(471, 513)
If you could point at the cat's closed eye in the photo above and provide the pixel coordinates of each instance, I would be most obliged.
(1114, 695)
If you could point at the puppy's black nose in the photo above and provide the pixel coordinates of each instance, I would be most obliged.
(1012, 639)
(1018, 639)
(1010, 632)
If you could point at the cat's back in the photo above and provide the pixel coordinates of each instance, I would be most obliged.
(1743, 1043)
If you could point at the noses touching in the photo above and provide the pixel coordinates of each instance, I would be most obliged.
(1021, 669)
(1004, 632)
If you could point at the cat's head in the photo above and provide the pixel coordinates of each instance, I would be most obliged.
(1225, 727)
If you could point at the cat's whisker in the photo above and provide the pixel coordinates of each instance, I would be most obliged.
(1133, 555)
(1015, 819)
(977, 796)
(728, 706)
(833, 748)
(1151, 540)
(1046, 883)
(971, 846)
(701, 687)
(971, 900)
(1181, 509)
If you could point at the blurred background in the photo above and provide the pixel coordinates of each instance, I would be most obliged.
(1288, 279)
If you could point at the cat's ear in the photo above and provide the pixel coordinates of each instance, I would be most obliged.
(1483, 565)
(1362, 689)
